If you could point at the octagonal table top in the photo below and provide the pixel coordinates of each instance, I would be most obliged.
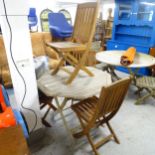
(82, 87)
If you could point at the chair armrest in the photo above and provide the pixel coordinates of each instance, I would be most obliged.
(51, 53)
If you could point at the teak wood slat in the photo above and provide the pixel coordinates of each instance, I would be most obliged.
(96, 111)
(76, 52)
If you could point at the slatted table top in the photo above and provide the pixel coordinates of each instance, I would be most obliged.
(82, 87)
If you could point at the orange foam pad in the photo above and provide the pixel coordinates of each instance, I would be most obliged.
(7, 117)
(129, 54)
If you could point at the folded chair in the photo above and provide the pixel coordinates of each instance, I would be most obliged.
(94, 111)
(145, 83)
(44, 102)
(81, 40)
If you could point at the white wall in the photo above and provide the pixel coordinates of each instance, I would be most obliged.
(56, 5)
(105, 8)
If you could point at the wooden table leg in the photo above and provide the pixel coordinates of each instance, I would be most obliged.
(60, 110)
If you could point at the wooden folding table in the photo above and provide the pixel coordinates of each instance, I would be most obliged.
(81, 88)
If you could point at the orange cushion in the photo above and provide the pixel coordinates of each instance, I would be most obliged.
(128, 56)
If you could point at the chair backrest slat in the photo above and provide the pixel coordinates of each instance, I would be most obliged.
(111, 97)
(85, 22)
(110, 100)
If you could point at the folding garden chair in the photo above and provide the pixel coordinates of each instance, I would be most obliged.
(96, 111)
(81, 40)
(44, 102)
(145, 83)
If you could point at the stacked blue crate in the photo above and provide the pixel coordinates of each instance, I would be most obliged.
(133, 26)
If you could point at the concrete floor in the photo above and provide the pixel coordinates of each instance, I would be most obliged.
(134, 126)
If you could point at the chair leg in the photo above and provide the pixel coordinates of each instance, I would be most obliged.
(46, 101)
(44, 117)
(91, 143)
(141, 99)
(46, 123)
(138, 92)
(73, 75)
(57, 68)
(87, 71)
(42, 105)
(113, 133)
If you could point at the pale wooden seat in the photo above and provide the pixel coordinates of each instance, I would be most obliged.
(146, 82)
(67, 46)
(95, 111)
(84, 28)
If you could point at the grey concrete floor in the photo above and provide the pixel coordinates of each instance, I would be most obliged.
(134, 126)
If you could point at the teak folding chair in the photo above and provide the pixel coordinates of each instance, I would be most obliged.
(81, 40)
(93, 112)
(145, 83)
(46, 101)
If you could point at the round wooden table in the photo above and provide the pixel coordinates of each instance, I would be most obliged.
(113, 58)
(81, 88)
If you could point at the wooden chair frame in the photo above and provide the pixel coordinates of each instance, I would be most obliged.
(46, 101)
(94, 112)
(84, 29)
(145, 83)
